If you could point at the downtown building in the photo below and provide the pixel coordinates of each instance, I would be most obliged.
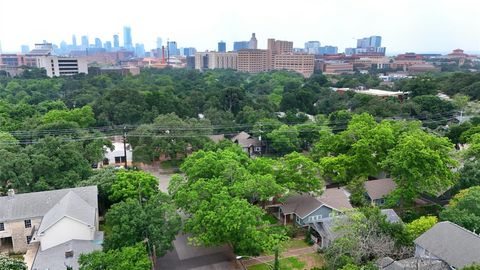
(216, 60)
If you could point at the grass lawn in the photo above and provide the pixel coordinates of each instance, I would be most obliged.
(295, 244)
(302, 262)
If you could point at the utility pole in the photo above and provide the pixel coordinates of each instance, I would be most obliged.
(125, 145)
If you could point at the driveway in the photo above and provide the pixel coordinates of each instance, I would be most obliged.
(187, 257)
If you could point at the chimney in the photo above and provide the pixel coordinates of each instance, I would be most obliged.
(11, 193)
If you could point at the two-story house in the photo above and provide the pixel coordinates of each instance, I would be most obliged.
(449, 243)
(55, 226)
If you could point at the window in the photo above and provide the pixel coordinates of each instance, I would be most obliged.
(28, 223)
(105, 161)
(120, 159)
(29, 239)
(2, 227)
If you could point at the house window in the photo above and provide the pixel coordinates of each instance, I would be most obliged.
(29, 239)
(28, 223)
(105, 161)
(120, 159)
(2, 227)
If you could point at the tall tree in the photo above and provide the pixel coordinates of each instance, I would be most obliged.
(464, 209)
(420, 163)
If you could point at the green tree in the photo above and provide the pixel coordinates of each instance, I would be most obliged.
(7, 263)
(298, 173)
(284, 139)
(420, 225)
(134, 258)
(464, 209)
(133, 185)
(130, 222)
(420, 162)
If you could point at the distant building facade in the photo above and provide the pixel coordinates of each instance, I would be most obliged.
(253, 44)
(252, 60)
(222, 46)
(62, 66)
(240, 45)
(301, 63)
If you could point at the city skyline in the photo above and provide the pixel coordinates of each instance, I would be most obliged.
(443, 32)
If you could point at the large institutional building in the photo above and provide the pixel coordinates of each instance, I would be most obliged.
(278, 56)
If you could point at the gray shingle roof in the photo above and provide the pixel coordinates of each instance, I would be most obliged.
(388, 263)
(54, 258)
(377, 189)
(330, 223)
(37, 204)
(455, 245)
(72, 206)
(337, 198)
(301, 205)
(304, 204)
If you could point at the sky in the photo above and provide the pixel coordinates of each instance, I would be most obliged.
(405, 25)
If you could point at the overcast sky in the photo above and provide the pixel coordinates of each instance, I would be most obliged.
(405, 25)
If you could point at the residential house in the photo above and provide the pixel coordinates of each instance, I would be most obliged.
(388, 263)
(377, 190)
(450, 243)
(52, 225)
(327, 233)
(251, 145)
(305, 210)
(116, 155)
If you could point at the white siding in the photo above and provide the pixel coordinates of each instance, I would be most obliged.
(65, 230)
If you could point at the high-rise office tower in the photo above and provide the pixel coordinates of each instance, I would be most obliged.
(127, 37)
(108, 46)
(25, 49)
(116, 42)
(85, 42)
(239, 45)
(98, 43)
(222, 46)
(139, 50)
(312, 47)
(253, 42)
(172, 48)
(159, 42)
(375, 41)
(74, 41)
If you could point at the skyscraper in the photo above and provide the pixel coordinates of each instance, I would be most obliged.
(139, 50)
(127, 37)
(98, 43)
(108, 46)
(375, 41)
(159, 42)
(312, 47)
(116, 42)
(239, 45)
(74, 41)
(172, 48)
(253, 42)
(85, 42)
(222, 46)
(25, 49)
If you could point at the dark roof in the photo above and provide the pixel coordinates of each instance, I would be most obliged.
(37, 204)
(377, 189)
(301, 205)
(451, 243)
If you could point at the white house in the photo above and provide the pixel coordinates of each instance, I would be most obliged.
(116, 155)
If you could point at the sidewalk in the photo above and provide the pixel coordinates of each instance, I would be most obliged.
(286, 254)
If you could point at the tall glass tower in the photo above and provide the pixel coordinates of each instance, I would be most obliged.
(127, 37)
